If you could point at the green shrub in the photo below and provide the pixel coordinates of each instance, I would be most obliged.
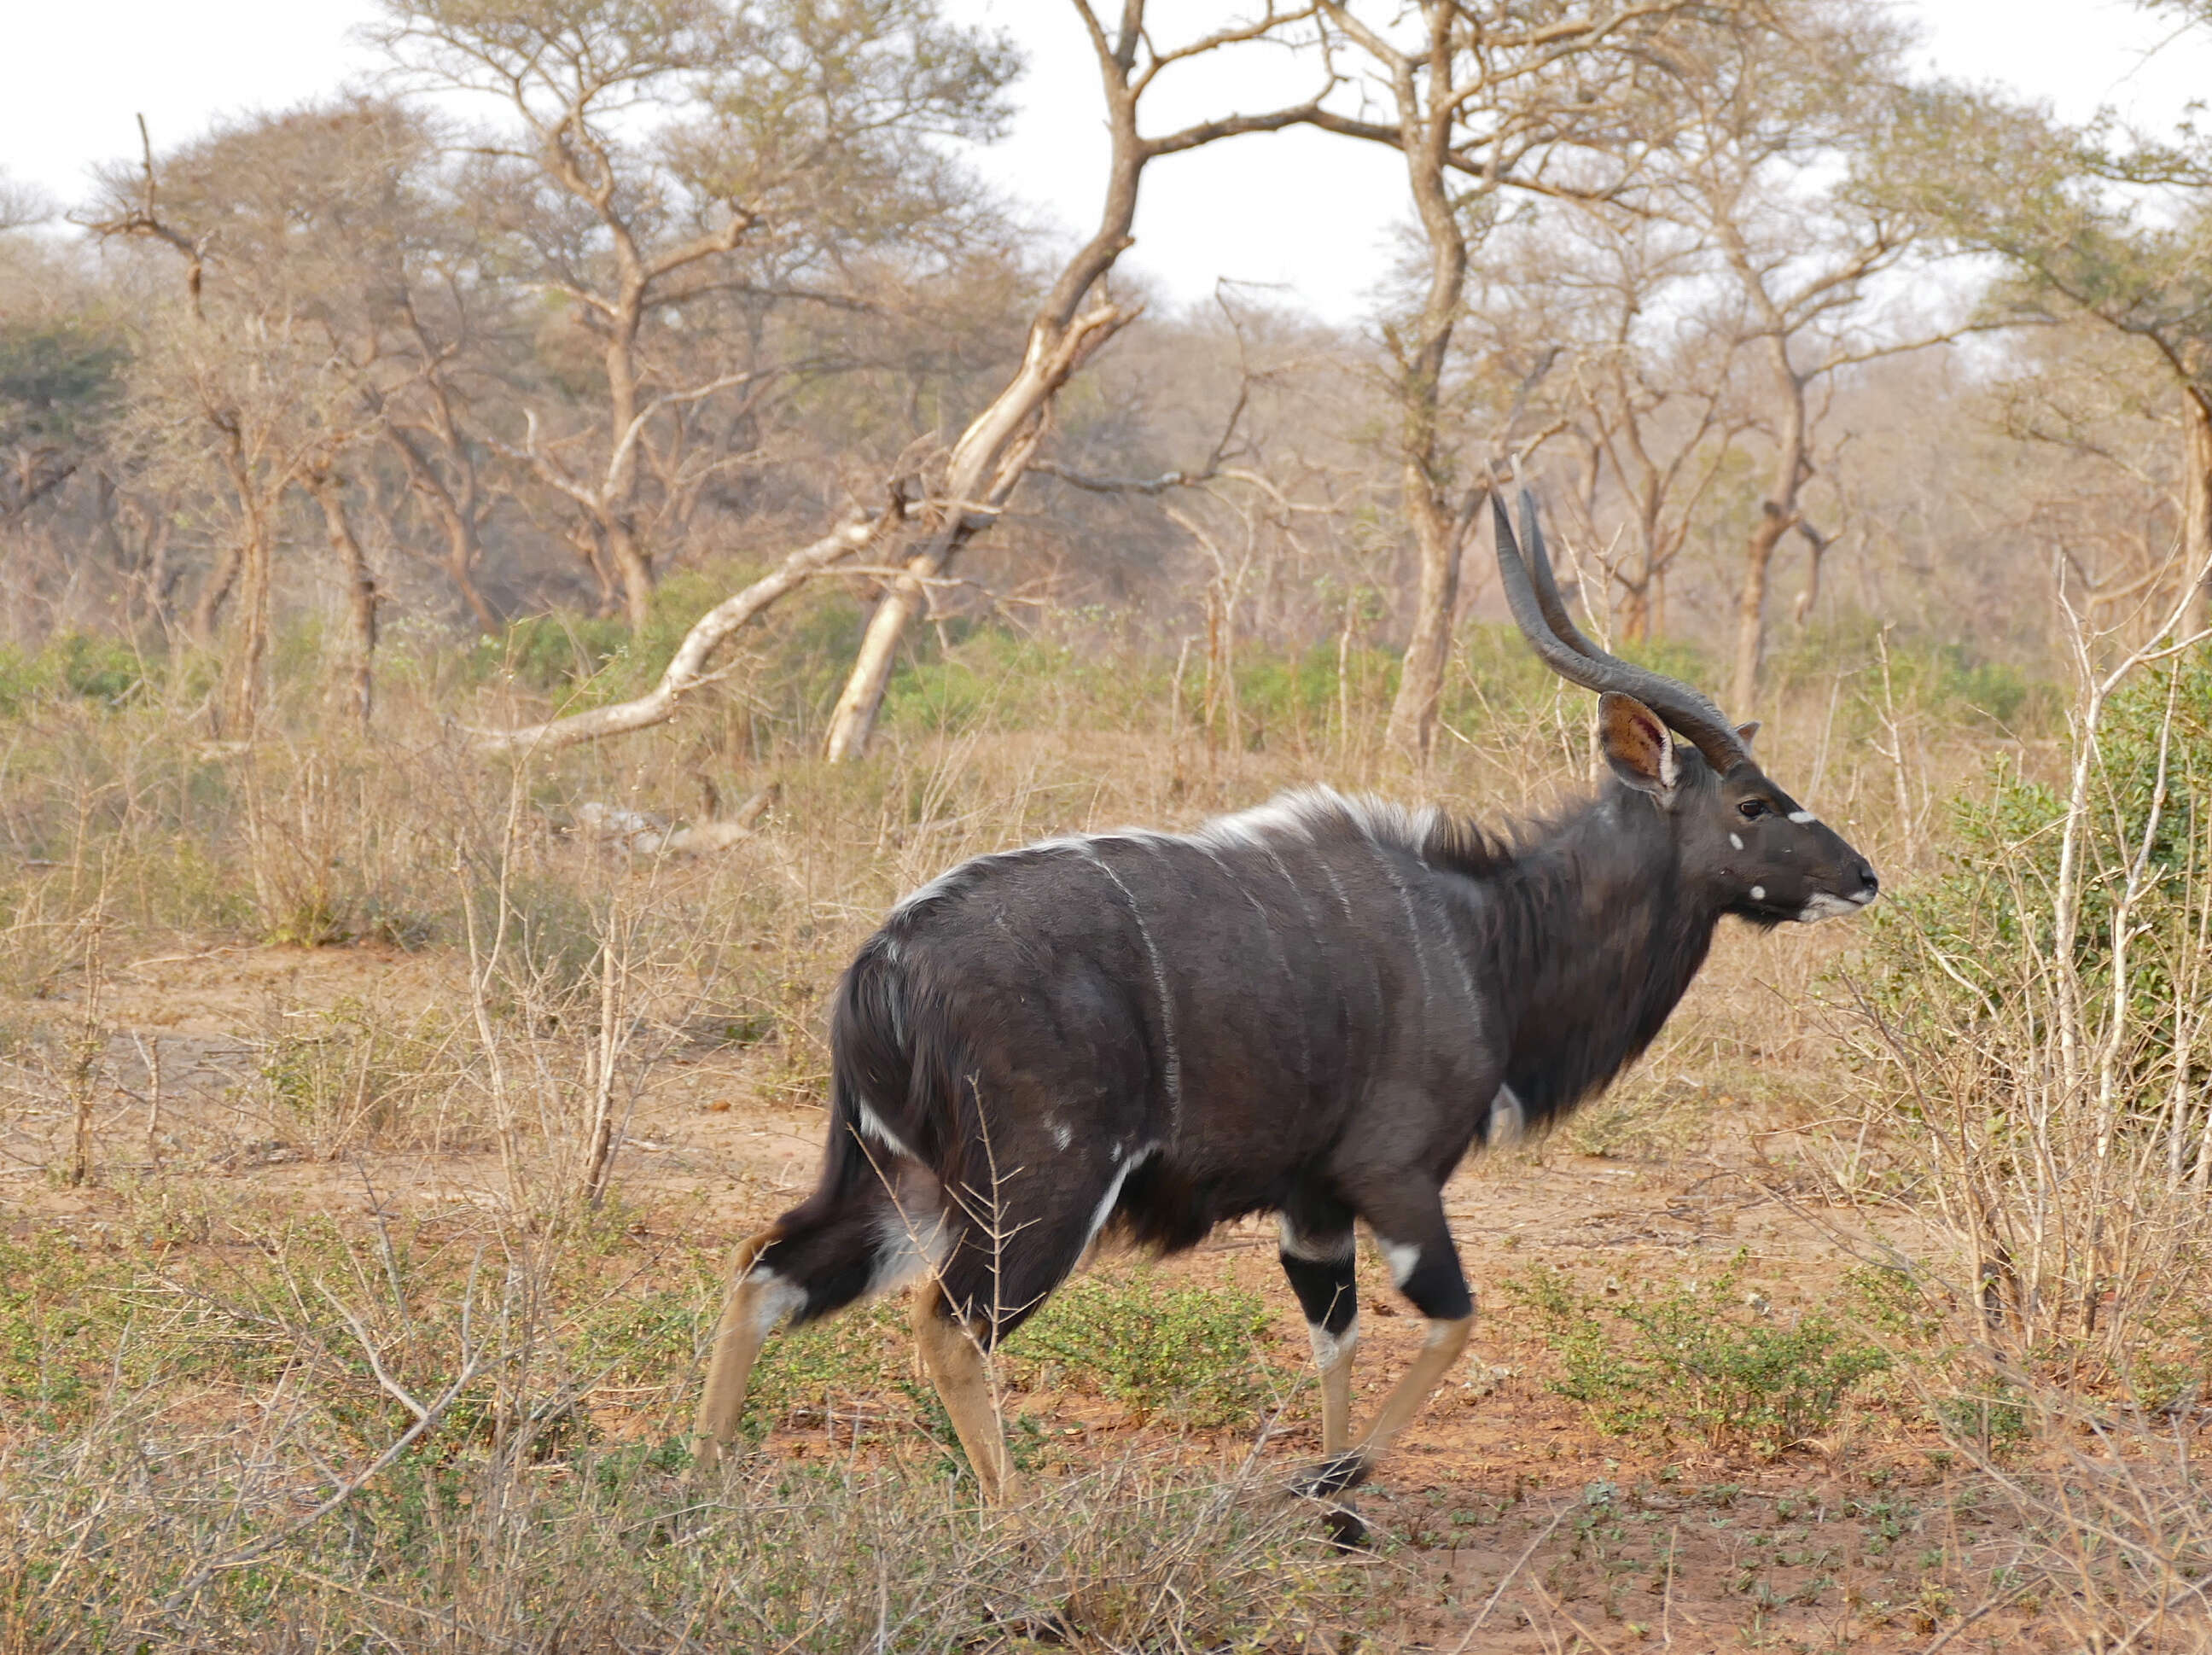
(1166, 1350)
(1952, 955)
(1698, 1360)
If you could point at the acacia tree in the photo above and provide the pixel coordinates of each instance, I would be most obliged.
(2090, 231)
(988, 463)
(669, 149)
(1774, 123)
(285, 227)
(1650, 383)
(1479, 98)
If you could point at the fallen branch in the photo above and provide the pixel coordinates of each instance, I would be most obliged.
(687, 671)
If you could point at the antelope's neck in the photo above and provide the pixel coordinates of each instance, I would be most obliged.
(1597, 940)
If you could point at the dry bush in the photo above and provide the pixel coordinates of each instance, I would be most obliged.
(2034, 1036)
(453, 1438)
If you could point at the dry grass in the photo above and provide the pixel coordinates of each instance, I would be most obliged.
(443, 1419)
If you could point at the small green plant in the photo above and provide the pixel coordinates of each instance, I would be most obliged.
(1697, 1359)
(1987, 1421)
(1166, 1350)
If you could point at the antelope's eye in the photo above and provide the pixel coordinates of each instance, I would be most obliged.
(1752, 809)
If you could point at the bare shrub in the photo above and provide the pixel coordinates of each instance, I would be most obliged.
(2036, 1031)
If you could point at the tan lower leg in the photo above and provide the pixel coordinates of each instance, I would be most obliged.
(1334, 1359)
(749, 1315)
(955, 1362)
(1438, 1352)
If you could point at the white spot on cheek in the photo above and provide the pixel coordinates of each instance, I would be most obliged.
(1758, 893)
(1736, 839)
(1061, 1135)
(1802, 817)
(1404, 1258)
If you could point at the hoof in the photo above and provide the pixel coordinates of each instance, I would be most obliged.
(1332, 1477)
(1347, 1530)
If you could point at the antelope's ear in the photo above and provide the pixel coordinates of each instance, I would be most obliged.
(1747, 733)
(1635, 744)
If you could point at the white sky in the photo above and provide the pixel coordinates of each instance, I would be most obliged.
(1311, 215)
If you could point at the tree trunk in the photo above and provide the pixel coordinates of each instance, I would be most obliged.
(1751, 608)
(2197, 505)
(634, 567)
(253, 648)
(1777, 515)
(1428, 651)
(361, 596)
(988, 461)
(457, 515)
(1425, 137)
(215, 591)
(617, 492)
(987, 465)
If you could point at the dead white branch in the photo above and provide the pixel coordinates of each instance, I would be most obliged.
(687, 671)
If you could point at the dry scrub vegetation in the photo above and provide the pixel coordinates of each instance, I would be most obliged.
(376, 1116)
(381, 1083)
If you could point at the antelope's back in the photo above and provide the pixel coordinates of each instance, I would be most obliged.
(1225, 999)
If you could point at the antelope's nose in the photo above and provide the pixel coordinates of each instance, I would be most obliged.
(1869, 885)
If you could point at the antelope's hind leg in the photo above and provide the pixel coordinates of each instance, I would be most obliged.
(758, 1301)
(813, 1262)
(953, 1357)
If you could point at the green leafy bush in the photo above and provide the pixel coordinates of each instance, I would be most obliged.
(1952, 955)
(1697, 1359)
(1166, 1350)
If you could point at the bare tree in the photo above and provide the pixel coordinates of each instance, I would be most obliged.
(667, 150)
(988, 463)
(284, 225)
(1478, 98)
(1650, 381)
(1766, 114)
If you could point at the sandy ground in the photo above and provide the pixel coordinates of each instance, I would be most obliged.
(1511, 1525)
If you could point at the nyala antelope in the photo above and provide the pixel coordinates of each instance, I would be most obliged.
(1310, 1009)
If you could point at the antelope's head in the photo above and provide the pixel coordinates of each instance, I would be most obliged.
(1743, 843)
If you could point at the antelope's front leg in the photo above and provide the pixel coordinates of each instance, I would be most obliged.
(1426, 1269)
(1320, 1269)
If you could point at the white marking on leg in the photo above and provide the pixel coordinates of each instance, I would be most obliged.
(1404, 1257)
(1802, 817)
(1172, 1061)
(1317, 1250)
(774, 1299)
(1331, 1348)
(1758, 893)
